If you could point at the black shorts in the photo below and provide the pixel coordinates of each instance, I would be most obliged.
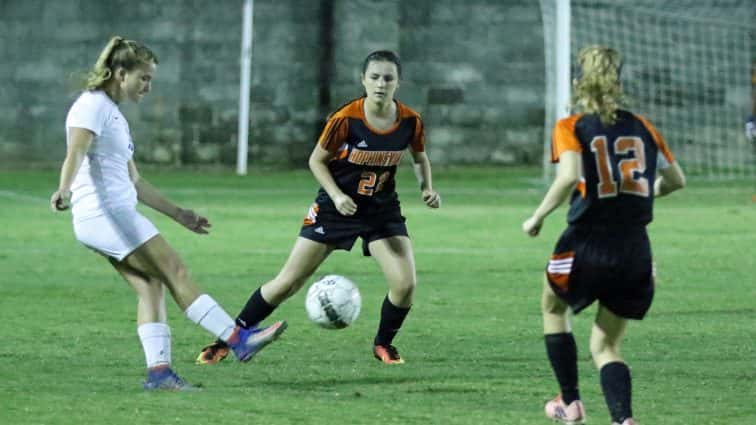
(607, 264)
(326, 225)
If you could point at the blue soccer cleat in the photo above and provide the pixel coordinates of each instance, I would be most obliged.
(165, 379)
(251, 341)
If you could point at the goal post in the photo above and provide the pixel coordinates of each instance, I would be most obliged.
(556, 35)
(245, 61)
(686, 67)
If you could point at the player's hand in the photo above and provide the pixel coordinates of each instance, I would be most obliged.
(532, 226)
(431, 198)
(60, 200)
(345, 205)
(193, 221)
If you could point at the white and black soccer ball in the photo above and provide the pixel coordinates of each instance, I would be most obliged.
(333, 302)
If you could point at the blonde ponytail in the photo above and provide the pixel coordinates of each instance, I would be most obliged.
(598, 90)
(119, 52)
(101, 72)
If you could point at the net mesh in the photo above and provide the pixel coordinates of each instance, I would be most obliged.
(686, 67)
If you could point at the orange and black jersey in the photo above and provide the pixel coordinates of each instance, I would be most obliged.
(619, 164)
(365, 163)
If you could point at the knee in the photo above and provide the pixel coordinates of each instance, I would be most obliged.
(551, 304)
(601, 347)
(171, 270)
(150, 292)
(180, 272)
(597, 347)
(293, 286)
(403, 287)
(283, 287)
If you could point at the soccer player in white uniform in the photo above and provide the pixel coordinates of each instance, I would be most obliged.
(101, 182)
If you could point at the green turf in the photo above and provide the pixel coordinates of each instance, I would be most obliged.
(474, 350)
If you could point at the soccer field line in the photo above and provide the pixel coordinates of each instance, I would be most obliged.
(21, 196)
(285, 251)
(313, 192)
(538, 189)
(305, 194)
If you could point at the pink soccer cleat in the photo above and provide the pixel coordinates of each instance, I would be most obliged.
(571, 414)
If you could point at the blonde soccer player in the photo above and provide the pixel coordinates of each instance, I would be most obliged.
(100, 182)
(614, 163)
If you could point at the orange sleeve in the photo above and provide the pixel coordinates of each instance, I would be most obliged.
(334, 134)
(563, 137)
(418, 139)
(658, 139)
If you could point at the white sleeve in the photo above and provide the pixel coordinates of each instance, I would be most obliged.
(89, 112)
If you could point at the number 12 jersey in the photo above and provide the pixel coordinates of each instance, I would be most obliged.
(619, 164)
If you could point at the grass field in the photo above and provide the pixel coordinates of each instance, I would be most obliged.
(473, 342)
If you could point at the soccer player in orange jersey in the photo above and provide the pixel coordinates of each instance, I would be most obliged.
(355, 162)
(614, 163)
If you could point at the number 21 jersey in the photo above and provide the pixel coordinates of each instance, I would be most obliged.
(365, 163)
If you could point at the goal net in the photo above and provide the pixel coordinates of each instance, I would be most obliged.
(686, 67)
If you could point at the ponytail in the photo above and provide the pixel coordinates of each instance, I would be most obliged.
(101, 72)
(118, 53)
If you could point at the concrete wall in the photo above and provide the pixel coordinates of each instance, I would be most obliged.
(473, 69)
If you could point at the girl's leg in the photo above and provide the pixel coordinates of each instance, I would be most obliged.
(304, 259)
(554, 312)
(561, 350)
(152, 328)
(157, 260)
(153, 331)
(306, 256)
(150, 294)
(396, 259)
(616, 383)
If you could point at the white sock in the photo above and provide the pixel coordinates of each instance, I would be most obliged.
(205, 312)
(156, 341)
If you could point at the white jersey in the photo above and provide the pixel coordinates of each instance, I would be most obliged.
(102, 184)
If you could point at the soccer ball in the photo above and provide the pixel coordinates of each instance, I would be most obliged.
(333, 302)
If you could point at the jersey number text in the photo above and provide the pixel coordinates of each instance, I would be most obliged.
(631, 170)
(368, 185)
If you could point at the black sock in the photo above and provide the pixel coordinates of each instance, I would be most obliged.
(562, 352)
(617, 386)
(256, 310)
(392, 318)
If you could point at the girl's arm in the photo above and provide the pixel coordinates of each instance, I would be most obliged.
(568, 174)
(79, 141)
(151, 197)
(318, 163)
(422, 169)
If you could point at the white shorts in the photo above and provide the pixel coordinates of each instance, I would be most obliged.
(116, 234)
